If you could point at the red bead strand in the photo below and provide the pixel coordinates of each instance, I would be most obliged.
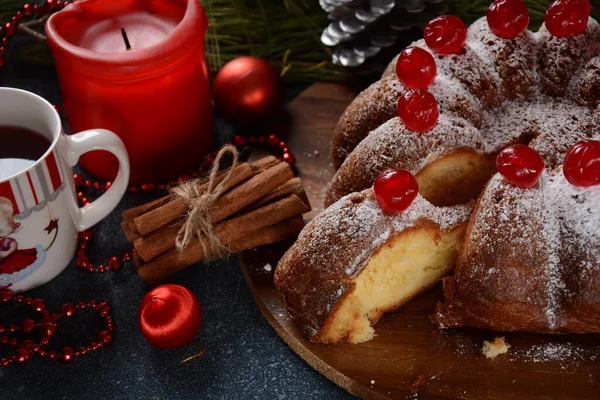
(46, 325)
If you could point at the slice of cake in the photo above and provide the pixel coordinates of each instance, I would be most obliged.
(356, 261)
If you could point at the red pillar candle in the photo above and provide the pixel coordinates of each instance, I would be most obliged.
(155, 95)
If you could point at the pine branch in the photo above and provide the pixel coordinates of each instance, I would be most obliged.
(285, 32)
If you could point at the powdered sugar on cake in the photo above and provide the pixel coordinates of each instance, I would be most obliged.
(535, 89)
(357, 226)
(546, 238)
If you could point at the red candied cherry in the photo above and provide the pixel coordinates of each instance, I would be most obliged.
(582, 163)
(446, 34)
(520, 165)
(567, 17)
(418, 110)
(507, 18)
(395, 190)
(416, 68)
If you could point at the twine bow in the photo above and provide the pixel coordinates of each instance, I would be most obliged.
(199, 220)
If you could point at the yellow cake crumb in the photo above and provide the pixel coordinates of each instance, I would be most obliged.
(495, 348)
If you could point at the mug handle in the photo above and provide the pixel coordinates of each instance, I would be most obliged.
(97, 139)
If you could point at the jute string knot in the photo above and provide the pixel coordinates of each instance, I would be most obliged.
(199, 221)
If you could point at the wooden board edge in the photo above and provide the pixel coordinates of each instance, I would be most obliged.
(315, 362)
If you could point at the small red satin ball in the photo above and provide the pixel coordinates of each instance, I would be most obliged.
(446, 34)
(395, 190)
(567, 17)
(507, 18)
(170, 316)
(247, 90)
(418, 110)
(416, 68)
(520, 165)
(582, 163)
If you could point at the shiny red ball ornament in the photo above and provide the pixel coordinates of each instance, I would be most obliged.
(416, 68)
(582, 163)
(446, 34)
(395, 190)
(418, 110)
(520, 165)
(170, 316)
(567, 17)
(247, 90)
(507, 18)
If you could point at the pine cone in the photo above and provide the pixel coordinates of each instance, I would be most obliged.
(375, 30)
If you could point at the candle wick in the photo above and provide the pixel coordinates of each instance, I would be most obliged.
(125, 39)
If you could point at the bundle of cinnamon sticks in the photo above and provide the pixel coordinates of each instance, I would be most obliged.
(262, 203)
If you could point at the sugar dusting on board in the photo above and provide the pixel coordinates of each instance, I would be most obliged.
(565, 353)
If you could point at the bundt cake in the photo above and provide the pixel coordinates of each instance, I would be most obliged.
(523, 106)
(530, 260)
(354, 262)
(535, 89)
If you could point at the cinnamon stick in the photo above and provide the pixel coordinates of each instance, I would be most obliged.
(173, 261)
(163, 239)
(257, 166)
(137, 259)
(250, 191)
(130, 214)
(263, 163)
(130, 234)
(292, 186)
(173, 209)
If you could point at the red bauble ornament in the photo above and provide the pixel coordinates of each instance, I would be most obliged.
(446, 34)
(567, 17)
(395, 190)
(418, 110)
(247, 90)
(416, 68)
(582, 163)
(520, 165)
(507, 18)
(169, 316)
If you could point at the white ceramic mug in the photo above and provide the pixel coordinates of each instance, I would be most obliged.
(39, 214)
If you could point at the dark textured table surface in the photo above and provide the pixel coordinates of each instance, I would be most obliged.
(244, 356)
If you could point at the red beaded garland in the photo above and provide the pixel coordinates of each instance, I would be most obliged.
(418, 110)
(446, 34)
(507, 18)
(395, 190)
(567, 17)
(47, 328)
(582, 163)
(520, 165)
(416, 68)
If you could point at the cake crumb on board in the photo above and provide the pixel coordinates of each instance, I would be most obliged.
(495, 348)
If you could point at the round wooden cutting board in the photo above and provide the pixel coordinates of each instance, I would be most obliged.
(409, 357)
